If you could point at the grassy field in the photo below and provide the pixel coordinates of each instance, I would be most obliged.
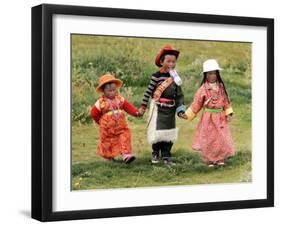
(131, 59)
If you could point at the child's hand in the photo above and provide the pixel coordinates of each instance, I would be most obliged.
(228, 118)
(141, 111)
(139, 114)
(183, 115)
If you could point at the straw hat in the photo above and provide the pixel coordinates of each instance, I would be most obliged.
(108, 78)
(167, 49)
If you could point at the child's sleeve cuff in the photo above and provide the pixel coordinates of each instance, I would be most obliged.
(228, 111)
(181, 108)
(190, 114)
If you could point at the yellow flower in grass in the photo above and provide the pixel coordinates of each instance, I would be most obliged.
(77, 185)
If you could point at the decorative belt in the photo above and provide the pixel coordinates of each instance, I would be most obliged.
(113, 112)
(165, 102)
(214, 110)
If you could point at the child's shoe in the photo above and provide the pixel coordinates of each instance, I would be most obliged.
(211, 164)
(155, 159)
(169, 162)
(128, 158)
(220, 163)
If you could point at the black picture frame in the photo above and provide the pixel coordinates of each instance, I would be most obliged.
(42, 107)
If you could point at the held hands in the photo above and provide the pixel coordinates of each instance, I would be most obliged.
(141, 111)
(182, 115)
(139, 114)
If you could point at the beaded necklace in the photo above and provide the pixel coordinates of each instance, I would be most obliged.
(114, 112)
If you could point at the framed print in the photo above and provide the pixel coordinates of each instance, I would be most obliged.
(146, 112)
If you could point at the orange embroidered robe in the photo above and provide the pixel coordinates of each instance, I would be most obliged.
(115, 135)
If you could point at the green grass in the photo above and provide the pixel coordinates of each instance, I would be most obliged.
(189, 170)
(131, 59)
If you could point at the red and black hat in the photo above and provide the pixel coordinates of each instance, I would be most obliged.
(167, 49)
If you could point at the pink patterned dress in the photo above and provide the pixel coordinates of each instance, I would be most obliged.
(212, 136)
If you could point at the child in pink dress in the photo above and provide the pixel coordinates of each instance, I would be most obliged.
(212, 137)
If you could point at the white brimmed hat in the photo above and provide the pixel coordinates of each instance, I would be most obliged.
(211, 65)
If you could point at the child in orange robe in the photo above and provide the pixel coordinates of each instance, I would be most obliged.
(108, 113)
